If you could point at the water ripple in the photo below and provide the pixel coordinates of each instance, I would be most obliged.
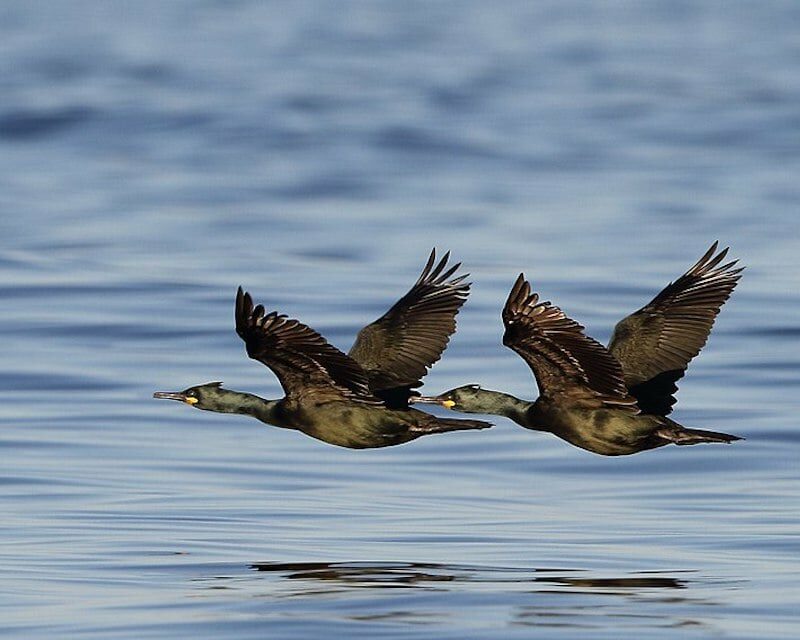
(23, 125)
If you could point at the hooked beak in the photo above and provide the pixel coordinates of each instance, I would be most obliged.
(174, 395)
(447, 404)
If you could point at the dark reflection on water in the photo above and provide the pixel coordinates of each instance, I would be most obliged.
(568, 598)
(419, 574)
(371, 574)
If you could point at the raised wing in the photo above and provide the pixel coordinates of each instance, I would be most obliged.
(307, 366)
(655, 344)
(398, 348)
(563, 358)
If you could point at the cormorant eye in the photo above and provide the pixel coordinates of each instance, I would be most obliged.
(191, 394)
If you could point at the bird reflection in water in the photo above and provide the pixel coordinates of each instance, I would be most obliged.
(419, 574)
(519, 596)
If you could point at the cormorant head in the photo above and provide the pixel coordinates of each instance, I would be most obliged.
(208, 396)
(466, 399)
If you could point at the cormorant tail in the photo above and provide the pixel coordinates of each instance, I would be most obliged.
(684, 436)
(443, 425)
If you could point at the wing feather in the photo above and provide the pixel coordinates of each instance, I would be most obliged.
(307, 366)
(563, 358)
(655, 344)
(398, 348)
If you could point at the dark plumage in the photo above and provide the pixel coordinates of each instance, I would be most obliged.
(655, 344)
(332, 396)
(608, 401)
(397, 349)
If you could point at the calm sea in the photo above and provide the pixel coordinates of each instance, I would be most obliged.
(154, 156)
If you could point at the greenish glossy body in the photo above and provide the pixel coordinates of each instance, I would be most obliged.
(608, 432)
(346, 424)
(338, 422)
(583, 421)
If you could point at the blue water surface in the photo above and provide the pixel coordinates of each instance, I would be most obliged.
(154, 156)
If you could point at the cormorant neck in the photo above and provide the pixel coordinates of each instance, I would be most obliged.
(503, 404)
(248, 404)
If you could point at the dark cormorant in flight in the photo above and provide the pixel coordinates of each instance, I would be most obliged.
(358, 400)
(615, 400)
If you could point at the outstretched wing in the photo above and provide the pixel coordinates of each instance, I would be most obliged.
(306, 365)
(398, 348)
(655, 344)
(563, 358)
